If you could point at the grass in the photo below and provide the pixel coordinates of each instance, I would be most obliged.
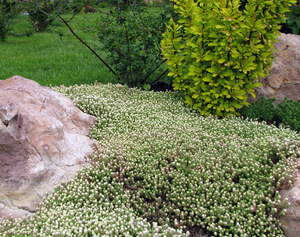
(48, 59)
(51, 60)
(160, 169)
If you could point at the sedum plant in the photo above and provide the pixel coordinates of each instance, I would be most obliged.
(92, 204)
(217, 50)
(158, 168)
(185, 170)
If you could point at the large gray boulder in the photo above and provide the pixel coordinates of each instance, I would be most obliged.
(284, 78)
(43, 142)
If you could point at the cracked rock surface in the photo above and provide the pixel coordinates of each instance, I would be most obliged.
(290, 222)
(43, 142)
(284, 78)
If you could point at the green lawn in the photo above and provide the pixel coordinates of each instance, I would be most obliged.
(48, 59)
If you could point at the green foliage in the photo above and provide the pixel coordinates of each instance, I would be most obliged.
(286, 113)
(42, 13)
(8, 11)
(124, 3)
(131, 37)
(217, 50)
(103, 4)
(41, 19)
(262, 110)
(94, 3)
(292, 24)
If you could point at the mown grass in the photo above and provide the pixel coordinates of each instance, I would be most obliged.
(49, 59)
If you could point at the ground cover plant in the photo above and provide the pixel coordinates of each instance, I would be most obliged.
(160, 169)
(288, 113)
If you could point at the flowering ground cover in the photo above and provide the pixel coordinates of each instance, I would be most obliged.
(160, 169)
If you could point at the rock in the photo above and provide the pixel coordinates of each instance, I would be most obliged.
(284, 78)
(43, 142)
(290, 222)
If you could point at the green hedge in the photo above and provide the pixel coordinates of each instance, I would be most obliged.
(286, 113)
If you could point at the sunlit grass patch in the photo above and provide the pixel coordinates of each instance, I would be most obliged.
(51, 60)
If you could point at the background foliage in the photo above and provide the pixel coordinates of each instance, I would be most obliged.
(131, 37)
(292, 24)
(286, 113)
(8, 11)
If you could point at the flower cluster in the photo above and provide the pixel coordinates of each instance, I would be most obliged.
(160, 169)
(91, 204)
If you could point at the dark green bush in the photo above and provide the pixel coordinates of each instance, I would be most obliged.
(102, 4)
(39, 19)
(43, 12)
(131, 38)
(292, 24)
(40, 14)
(262, 110)
(8, 11)
(286, 113)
